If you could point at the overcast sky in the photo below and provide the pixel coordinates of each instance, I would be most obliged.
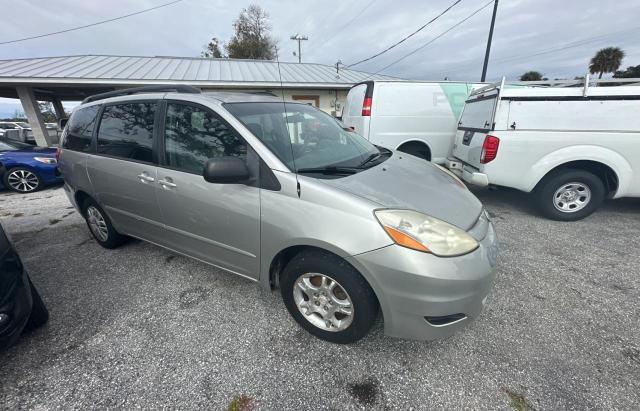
(554, 37)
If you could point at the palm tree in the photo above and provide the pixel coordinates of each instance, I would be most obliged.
(606, 60)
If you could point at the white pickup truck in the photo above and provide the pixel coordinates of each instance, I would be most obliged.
(571, 147)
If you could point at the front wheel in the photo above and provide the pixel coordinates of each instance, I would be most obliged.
(328, 297)
(569, 194)
(39, 313)
(22, 180)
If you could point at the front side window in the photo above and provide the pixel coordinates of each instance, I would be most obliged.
(194, 134)
(304, 137)
(126, 131)
(80, 129)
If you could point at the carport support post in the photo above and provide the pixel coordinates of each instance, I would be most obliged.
(34, 116)
(59, 109)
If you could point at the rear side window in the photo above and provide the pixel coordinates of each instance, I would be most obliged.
(126, 131)
(193, 135)
(80, 129)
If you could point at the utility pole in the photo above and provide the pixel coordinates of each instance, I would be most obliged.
(486, 55)
(300, 39)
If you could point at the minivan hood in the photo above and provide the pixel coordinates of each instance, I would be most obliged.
(407, 182)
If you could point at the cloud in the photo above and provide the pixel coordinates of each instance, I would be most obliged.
(523, 28)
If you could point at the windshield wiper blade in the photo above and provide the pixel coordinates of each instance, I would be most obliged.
(329, 170)
(371, 158)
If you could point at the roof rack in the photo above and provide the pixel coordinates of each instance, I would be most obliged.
(181, 88)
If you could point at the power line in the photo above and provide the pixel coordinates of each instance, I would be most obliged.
(407, 37)
(565, 46)
(432, 40)
(345, 25)
(90, 25)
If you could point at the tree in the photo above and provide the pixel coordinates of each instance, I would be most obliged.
(252, 39)
(212, 50)
(606, 60)
(531, 76)
(48, 114)
(630, 72)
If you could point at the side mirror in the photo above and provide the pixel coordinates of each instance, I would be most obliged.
(63, 122)
(226, 170)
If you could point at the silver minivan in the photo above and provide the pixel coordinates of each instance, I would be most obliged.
(280, 193)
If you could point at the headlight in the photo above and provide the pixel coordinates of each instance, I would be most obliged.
(46, 160)
(421, 232)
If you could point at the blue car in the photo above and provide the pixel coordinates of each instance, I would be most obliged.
(25, 168)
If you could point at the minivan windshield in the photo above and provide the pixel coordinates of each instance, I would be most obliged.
(306, 139)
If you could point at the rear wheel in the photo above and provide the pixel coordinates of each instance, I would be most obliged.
(100, 225)
(416, 149)
(569, 194)
(22, 180)
(328, 297)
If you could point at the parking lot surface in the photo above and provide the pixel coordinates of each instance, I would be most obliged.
(142, 327)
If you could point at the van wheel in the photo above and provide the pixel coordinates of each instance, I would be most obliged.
(328, 297)
(569, 194)
(416, 149)
(100, 225)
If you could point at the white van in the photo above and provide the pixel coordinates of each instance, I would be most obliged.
(418, 118)
(572, 147)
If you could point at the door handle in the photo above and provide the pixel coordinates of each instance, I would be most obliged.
(146, 178)
(167, 184)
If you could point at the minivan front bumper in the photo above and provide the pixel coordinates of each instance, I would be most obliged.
(468, 173)
(426, 297)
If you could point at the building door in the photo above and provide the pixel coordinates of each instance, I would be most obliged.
(311, 100)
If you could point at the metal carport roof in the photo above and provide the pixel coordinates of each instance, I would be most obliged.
(59, 75)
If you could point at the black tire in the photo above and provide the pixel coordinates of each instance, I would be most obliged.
(33, 182)
(113, 238)
(416, 149)
(364, 301)
(39, 313)
(545, 193)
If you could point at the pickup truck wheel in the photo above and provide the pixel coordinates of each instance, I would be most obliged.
(569, 194)
(328, 297)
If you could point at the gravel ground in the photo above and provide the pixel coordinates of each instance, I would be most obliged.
(141, 327)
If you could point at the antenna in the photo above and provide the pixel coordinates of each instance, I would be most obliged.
(286, 126)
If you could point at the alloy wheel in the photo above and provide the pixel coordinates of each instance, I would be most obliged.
(323, 302)
(97, 223)
(23, 181)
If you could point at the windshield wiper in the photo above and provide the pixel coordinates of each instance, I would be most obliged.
(371, 158)
(329, 170)
(374, 156)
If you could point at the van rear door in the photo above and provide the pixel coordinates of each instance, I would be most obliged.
(353, 114)
(476, 121)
